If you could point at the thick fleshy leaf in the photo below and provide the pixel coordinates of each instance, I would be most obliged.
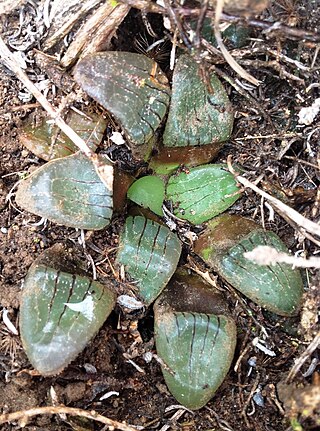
(48, 142)
(195, 339)
(148, 192)
(234, 36)
(198, 115)
(59, 314)
(130, 86)
(201, 193)
(67, 191)
(150, 253)
(277, 287)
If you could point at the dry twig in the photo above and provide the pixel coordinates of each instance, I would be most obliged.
(228, 57)
(265, 255)
(315, 343)
(95, 32)
(284, 210)
(24, 415)
(246, 404)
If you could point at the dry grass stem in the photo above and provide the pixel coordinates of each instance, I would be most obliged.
(63, 30)
(265, 255)
(283, 209)
(315, 343)
(99, 28)
(24, 415)
(228, 57)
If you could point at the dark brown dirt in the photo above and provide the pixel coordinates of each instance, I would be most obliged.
(291, 172)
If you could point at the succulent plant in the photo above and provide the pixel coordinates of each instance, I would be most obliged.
(277, 287)
(59, 313)
(195, 339)
(202, 192)
(62, 309)
(48, 142)
(150, 254)
(67, 191)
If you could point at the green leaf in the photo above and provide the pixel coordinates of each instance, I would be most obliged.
(234, 35)
(67, 191)
(130, 86)
(197, 115)
(202, 193)
(48, 142)
(195, 339)
(59, 314)
(148, 192)
(150, 253)
(277, 287)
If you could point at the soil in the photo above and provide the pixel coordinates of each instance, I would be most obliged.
(266, 140)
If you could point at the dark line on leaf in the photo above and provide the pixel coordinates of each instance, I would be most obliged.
(153, 247)
(155, 113)
(68, 299)
(205, 335)
(156, 88)
(162, 102)
(55, 290)
(192, 342)
(177, 323)
(139, 243)
(147, 122)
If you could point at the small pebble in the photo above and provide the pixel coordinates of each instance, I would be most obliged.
(4, 230)
(252, 361)
(91, 369)
(258, 399)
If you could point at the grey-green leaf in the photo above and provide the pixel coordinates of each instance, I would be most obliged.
(198, 115)
(48, 142)
(195, 348)
(195, 339)
(59, 314)
(130, 86)
(277, 287)
(203, 192)
(67, 191)
(150, 253)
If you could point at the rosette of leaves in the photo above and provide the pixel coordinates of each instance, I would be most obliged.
(195, 339)
(277, 287)
(48, 142)
(60, 312)
(67, 191)
(150, 254)
(201, 193)
(130, 86)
